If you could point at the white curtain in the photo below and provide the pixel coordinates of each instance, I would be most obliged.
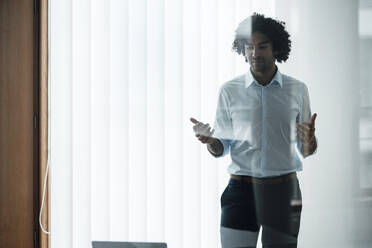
(125, 77)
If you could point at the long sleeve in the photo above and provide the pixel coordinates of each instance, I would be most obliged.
(223, 124)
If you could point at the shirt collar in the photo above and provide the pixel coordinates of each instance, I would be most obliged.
(249, 79)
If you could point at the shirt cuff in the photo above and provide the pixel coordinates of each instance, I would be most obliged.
(226, 148)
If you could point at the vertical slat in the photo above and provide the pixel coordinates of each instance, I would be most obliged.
(81, 123)
(155, 120)
(226, 28)
(100, 119)
(191, 108)
(264, 7)
(243, 9)
(119, 145)
(61, 118)
(137, 120)
(173, 125)
(209, 202)
(226, 71)
(287, 11)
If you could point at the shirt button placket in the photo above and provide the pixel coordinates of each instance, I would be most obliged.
(264, 131)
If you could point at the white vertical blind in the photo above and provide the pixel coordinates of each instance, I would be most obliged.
(126, 76)
(119, 120)
(173, 124)
(155, 121)
(191, 107)
(137, 119)
(61, 129)
(81, 124)
(264, 7)
(100, 119)
(225, 70)
(209, 194)
(241, 9)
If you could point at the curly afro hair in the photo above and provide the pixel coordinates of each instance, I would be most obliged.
(273, 29)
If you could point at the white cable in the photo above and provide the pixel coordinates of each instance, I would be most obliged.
(42, 201)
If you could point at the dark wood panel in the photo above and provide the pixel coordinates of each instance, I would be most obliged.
(18, 140)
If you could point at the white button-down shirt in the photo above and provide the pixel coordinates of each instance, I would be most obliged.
(257, 124)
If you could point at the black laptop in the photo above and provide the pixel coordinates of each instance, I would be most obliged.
(107, 244)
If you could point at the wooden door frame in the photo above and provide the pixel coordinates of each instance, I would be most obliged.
(23, 69)
(42, 6)
(36, 143)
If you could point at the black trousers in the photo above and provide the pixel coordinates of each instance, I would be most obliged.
(247, 206)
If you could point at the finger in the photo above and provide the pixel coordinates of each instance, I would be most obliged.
(204, 127)
(300, 131)
(310, 124)
(313, 119)
(306, 134)
(307, 144)
(305, 139)
(305, 131)
(305, 126)
(193, 120)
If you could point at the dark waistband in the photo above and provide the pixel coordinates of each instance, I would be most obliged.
(267, 180)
